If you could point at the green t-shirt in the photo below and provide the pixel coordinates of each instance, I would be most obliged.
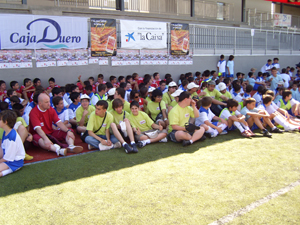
(154, 109)
(1, 133)
(214, 94)
(96, 121)
(142, 121)
(227, 94)
(79, 113)
(167, 98)
(109, 108)
(126, 107)
(179, 116)
(174, 103)
(119, 117)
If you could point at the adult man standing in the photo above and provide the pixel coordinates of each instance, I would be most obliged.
(179, 116)
(41, 118)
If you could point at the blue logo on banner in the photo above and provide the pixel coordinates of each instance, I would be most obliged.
(28, 39)
(130, 36)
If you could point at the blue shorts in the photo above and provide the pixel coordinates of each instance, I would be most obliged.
(215, 123)
(231, 128)
(254, 127)
(15, 165)
(223, 74)
(229, 75)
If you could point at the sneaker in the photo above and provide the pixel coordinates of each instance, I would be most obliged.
(28, 157)
(186, 143)
(215, 134)
(134, 148)
(117, 145)
(246, 134)
(266, 133)
(224, 132)
(128, 149)
(277, 130)
(74, 149)
(58, 149)
(141, 144)
(62, 151)
(90, 147)
(105, 147)
(252, 134)
(209, 135)
(164, 140)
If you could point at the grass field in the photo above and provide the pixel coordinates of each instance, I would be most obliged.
(163, 184)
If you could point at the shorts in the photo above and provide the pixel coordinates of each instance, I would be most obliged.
(172, 137)
(215, 123)
(229, 75)
(223, 74)
(58, 134)
(138, 137)
(232, 128)
(15, 165)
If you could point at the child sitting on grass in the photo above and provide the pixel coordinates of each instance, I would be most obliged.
(62, 111)
(289, 104)
(235, 119)
(254, 116)
(12, 151)
(206, 116)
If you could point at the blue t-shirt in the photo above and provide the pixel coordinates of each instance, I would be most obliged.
(230, 65)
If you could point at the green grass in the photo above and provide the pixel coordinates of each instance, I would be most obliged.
(163, 184)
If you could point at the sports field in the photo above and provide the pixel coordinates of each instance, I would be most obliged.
(207, 182)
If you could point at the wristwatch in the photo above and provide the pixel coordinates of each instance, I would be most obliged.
(165, 119)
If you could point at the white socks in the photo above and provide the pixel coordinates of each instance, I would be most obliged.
(239, 126)
(222, 126)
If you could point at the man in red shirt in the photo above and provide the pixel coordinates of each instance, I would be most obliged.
(41, 118)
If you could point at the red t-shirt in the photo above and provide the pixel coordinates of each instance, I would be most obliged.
(155, 83)
(19, 91)
(38, 118)
(29, 93)
(3, 93)
(94, 88)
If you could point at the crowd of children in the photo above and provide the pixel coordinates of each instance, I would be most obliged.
(132, 111)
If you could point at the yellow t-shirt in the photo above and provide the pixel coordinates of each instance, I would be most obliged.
(180, 116)
(154, 109)
(109, 108)
(96, 121)
(119, 117)
(142, 121)
(174, 103)
(214, 94)
(167, 98)
(227, 94)
(126, 107)
(79, 113)
(22, 121)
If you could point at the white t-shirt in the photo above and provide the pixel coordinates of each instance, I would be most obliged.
(286, 79)
(204, 115)
(257, 98)
(226, 114)
(265, 68)
(222, 66)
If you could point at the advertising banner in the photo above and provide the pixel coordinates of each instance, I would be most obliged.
(103, 37)
(282, 20)
(143, 34)
(42, 32)
(180, 39)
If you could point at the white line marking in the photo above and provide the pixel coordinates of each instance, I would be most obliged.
(254, 205)
(68, 156)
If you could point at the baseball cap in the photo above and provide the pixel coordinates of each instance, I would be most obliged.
(172, 84)
(222, 86)
(177, 93)
(192, 85)
(151, 89)
(111, 91)
(85, 96)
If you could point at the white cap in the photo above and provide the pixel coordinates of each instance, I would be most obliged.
(280, 83)
(222, 86)
(172, 84)
(111, 91)
(177, 93)
(192, 85)
(85, 96)
(151, 89)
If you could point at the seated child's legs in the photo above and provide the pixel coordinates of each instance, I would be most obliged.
(198, 134)
(181, 136)
(4, 167)
(204, 126)
(81, 129)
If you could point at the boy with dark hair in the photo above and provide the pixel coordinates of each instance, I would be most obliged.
(113, 81)
(235, 119)
(16, 87)
(254, 116)
(75, 97)
(167, 76)
(121, 79)
(52, 85)
(120, 94)
(162, 86)
(89, 91)
(62, 111)
(13, 155)
(222, 66)
(289, 104)
(98, 129)
(3, 92)
(57, 91)
(258, 95)
(206, 116)
(156, 80)
(100, 95)
(100, 79)
(91, 81)
(37, 82)
(184, 85)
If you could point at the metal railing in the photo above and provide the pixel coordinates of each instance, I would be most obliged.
(265, 20)
(213, 40)
(100, 4)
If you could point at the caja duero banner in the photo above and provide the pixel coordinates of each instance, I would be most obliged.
(103, 37)
(42, 32)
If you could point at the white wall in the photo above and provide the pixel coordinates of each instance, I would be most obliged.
(260, 5)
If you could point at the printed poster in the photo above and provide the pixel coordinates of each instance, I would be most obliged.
(62, 57)
(180, 39)
(180, 60)
(154, 57)
(126, 58)
(103, 37)
(15, 59)
(143, 34)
